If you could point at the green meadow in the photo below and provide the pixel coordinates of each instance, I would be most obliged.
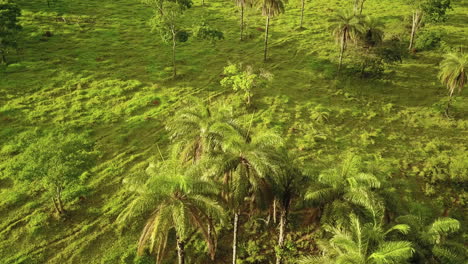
(95, 68)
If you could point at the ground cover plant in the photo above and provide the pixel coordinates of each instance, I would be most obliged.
(222, 131)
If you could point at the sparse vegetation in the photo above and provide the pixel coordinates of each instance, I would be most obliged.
(144, 131)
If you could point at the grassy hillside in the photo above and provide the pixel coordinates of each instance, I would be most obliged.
(102, 71)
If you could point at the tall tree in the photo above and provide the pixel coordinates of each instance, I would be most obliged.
(454, 74)
(346, 27)
(270, 8)
(175, 200)
(9, 27)
(288, 183)
(242, 4)
(243, 165)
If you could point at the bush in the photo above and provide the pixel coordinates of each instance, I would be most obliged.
(428, 40)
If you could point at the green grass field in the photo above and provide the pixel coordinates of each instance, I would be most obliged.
(104, 72)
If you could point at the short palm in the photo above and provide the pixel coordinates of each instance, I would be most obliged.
(453, 74)
(431, 239)
(344, 189)
(363, 244)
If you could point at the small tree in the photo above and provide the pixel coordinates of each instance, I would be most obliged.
(454, 74)
(9, 27)
(166, 21)
(244, 79)
(55, 162)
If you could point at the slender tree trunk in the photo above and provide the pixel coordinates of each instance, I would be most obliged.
(362, 6)
(234, 238)
(58, 201)
(57, 210)
(342, 49)
(180, 251)
(274, 211)
(282, 231)
(449, 103)
(242, 22)
(302, 14)
(417, 15)
(174, 70)
(266, 35)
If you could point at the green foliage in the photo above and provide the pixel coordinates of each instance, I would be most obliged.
(167, 23)
(206, 32)
(55, 162)
(245, 79)
(436, 10)
(428, 40)
(9, 27)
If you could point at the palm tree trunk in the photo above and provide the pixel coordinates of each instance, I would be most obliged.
(449, 103)
(174, 70)
(362, 7)
(282, 230)
(242, 23)
(234, 238)
(302, 13)
(274, 211)
(342, 49)
(180, 251)
(266, 35)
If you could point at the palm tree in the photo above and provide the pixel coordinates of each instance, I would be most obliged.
(242, 4)
(363, 244)
(453, 74)
(287, 184)
(346, 27)
(270, 8)
(433, 240)
(196, 131)
(177, 201)
(244, 163)
(345, 189)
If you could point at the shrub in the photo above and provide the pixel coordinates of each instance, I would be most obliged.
(428, 40)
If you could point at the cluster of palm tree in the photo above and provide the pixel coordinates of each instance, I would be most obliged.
(214, 164)
(219, 175)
